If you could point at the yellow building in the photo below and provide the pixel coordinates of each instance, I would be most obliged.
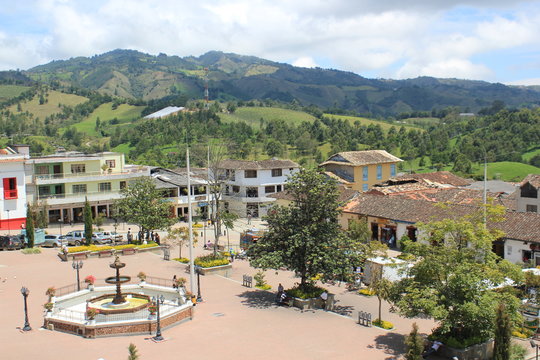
(63, 181)
(360, 170)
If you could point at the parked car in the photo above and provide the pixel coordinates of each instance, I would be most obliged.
(114, 236)
(101, 238)
(54, 241)
(75, 238)
(11, 243)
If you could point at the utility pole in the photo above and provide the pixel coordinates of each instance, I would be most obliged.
(190, 229)
(484, 197)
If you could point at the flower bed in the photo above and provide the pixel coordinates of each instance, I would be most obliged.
(182, 260)
(387, 325)
(211, 261)
(97, 248)
(310, 292)
(366, 292)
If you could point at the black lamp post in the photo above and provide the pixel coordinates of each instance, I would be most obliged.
(535, 345)
(77, 265)
(199, 297)
(25, 292)
(158, 300)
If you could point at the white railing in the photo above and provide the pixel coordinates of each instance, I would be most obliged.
(86, 174)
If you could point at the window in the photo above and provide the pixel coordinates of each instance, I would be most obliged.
(365, 187)
(379, 172)
(269, 189)
(278, 188)
(10, 188)
(235, 189)
(123, 185)
(532, 208)
(365, 173)
(44, 190)
(392, 170)
(252, 192)
(79, 189)
(249, 174)
(277, 172)
(78, 168)
(104, 186)
(42, 169)
(111, 163)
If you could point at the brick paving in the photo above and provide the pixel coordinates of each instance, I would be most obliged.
(233, 322)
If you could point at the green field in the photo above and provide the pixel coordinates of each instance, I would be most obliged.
(422, 122)
(252, 115)
(364, 121)
(124, 113)
(528, 155)
(10, 91)
(507, 170)
(54, 98)
(122, 148)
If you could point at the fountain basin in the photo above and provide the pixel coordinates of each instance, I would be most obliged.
(134, 302)
(117, 280)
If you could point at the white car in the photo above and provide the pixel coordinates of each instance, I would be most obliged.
(114, 236)
(54, 241)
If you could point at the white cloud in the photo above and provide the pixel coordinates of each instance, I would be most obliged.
(394, 38)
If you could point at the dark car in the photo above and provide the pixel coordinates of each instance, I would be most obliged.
(10, 243)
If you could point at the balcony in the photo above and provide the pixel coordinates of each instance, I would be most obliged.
(62, 199)
(45, 179)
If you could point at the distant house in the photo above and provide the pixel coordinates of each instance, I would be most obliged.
(13, 198)
(248, 184)
(360, 170)
(168, 111)
(528, 199)
(284, 198)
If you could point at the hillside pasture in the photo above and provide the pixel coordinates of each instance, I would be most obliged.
(10, 91)
(529, 154)
(124, 113)
(507, 170)
(366, 122)
(252, 115)
(53, 99)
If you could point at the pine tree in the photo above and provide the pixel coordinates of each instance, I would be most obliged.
(30, 226)
(415, 344)
(133, 353)
(503, 328)
(87, 222)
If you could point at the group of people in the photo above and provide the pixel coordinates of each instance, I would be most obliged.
(144, 237)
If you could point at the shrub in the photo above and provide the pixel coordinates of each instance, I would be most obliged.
(366, 292)
(259, 279)
(522, 333)
(211, 261)
(183, 260)
(180, 282)
(311, 291)
(197, 226)
(517, 352)
(383, 324)
(48, 306)
(33, 250)
(152, 308)
(141, 275)
(263, 287)
(145, 246)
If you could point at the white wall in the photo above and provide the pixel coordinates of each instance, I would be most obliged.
(16, 207)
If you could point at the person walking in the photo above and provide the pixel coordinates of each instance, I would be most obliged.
(249, 218)
(129, 236)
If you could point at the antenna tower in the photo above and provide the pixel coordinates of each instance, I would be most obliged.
(206, 88)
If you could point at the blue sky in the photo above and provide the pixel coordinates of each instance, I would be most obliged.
(495, 40)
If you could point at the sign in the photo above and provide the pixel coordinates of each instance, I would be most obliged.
(201, 204)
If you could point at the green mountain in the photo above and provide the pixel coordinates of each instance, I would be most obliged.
(132, 74)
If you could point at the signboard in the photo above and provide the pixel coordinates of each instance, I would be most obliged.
(201, 204)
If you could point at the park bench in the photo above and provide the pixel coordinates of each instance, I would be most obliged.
(129, 251)
(105, 253)
(80, 256)
(364, 318)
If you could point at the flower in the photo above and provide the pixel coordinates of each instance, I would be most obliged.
(48, 306)
(50, 292)
(91, 313)
(90, 279)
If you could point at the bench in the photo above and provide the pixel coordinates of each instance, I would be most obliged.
(105, 253)
(80, 256)
(166, 254)
(129, 251)
(63, 256)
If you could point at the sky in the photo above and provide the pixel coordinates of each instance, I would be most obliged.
(492, 40)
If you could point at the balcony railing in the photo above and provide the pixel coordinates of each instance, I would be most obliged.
(86, 174)
(77, 195)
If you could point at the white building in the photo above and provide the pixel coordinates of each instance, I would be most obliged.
(528, 199)
(248, 184)
(13, 204)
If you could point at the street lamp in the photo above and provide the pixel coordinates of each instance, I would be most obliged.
(25, 292)
(199, 297)
(158, 300)
(77, 265)
(535, 345)
(60, 222)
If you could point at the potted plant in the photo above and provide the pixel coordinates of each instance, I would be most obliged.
(192, 297)
(48, 306)
(180, 282)
(51, 292)
(90, 280)
(91, 315)
(142, 277)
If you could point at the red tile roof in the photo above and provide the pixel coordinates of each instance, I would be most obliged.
(440, 177)
(357, 158)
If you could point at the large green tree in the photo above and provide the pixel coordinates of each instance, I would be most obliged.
(454, 277)
(142, 204)
(503, 334)
(87, 215)
(304, 237)
(30, 235)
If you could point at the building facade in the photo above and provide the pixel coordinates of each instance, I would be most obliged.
(248, 184)
(362, 169)
(61, 182)
(12, 172)
(528, 199)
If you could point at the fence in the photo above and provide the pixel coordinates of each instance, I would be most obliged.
(159, 281)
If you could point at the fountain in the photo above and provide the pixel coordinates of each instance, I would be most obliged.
(118, 300)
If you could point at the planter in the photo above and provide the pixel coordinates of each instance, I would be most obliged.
(91, 322)
(223, 270)
(129, 251)
(312, 303)
(483, 351)
(152, 317)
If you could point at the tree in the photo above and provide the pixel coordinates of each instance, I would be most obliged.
(503, 333)
(180, 236)
(133, 353)
(462, 164)
(30, 226)
(228, 219)
(142, 204)
(415, 344)
(454, 275)
(87, 214)
(381, 287)
(304, 237)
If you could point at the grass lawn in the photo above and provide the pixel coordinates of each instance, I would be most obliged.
(252, 115)
(364, 121)
(122, 148)
(528, 155)
(124, 113)
(507, 170)
(51, 106)
(11, 91)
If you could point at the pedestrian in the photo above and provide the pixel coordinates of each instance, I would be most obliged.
(434, 347)
(151, 238)
(231, 252)
(158, 240)
(174, 282)
(249, 218)
(280, 289)
(324, 298)
(129, 236)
